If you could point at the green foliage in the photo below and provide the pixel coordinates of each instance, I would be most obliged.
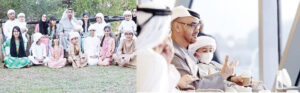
(107, 7)
(32, 8)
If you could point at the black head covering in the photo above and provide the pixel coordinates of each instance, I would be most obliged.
(43, 27)
(88, 23)
(194, 14)
(154, 12)
(13, 49)
(134, 17)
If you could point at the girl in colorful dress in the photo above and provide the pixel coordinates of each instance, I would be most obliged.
(127, 24)
(107, 47)
(53, 28)
(56, 58)
(16, 56)
(86, 24)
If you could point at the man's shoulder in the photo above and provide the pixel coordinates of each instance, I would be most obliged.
(178, 55)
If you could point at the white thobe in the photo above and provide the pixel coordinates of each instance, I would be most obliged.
(8, 27)
(21, 23)
(99, 29)
(91, 48)
(152, 72)
(38, 51)
(127, 26)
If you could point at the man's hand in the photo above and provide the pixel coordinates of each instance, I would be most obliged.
(237, 79)
(184, 82)
(223, 70)
(228, 70)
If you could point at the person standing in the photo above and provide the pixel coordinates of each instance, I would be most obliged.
(21, 20)
(66, 25)
(53, 27)
(99, 25)
(134, 15)
(9, 24)
(86, 24)
(42, 28)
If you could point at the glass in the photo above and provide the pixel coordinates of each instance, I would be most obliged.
(193, 25)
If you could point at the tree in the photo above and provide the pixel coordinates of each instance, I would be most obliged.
(107, 7)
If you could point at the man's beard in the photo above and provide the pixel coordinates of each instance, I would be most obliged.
(70, 16)
(192, 41)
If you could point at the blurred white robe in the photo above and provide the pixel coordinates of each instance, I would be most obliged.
(99, 29)
(8, 27)
(152, 72)
(38, 51)
(211, 68)
(174, 77)
(91, 48)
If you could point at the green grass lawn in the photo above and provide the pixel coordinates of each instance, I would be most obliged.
(91, 79)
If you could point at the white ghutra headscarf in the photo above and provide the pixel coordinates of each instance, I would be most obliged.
(152, 68)
(65, 17)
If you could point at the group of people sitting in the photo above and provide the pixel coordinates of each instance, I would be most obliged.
(69, 42)
(171, 57)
